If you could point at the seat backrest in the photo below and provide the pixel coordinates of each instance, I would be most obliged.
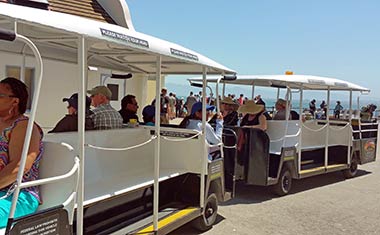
(58, 159)
(276, 131)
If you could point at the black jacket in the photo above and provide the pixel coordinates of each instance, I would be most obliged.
(70, 123)
(127, 115)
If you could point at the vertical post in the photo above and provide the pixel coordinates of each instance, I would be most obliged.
(82, 67)
(359, 119)
(157, 145)
(15, 26)
(327, 130)
(300, 126)
(253, 91)
(217, 95)
(288, 98)
(351, 134)
(350, 107)
(28, 134)
(205, 152)
(23, 61)
(224, 91)
(23, 64)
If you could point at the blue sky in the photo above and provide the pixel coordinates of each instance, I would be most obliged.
(339, 38)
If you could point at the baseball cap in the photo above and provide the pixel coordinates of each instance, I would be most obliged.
(100, 90)
(198, 106)
(73, 101)
(148, 111)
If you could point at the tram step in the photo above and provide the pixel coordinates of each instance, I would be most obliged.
(312, 171)
(168, 220)
(311, 165)
(304, 162)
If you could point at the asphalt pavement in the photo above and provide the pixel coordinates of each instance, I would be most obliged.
(325, 204)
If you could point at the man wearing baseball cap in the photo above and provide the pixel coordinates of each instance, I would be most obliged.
(194, 122)
(105, 116)
(70, 121)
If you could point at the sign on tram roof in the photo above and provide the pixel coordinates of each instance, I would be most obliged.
(114, 46)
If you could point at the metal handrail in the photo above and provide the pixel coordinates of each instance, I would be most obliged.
(317, 130)
(340, 128)
(52, 179)
(287, 136)
(122, 149)
(214, 145)
(181, 140)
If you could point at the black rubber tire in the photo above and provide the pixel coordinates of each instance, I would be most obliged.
(352, 171)
(209, 214)
(284, 183)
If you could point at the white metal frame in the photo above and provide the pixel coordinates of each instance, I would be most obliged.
(288, 97)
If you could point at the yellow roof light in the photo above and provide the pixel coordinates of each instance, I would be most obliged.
(288, 72)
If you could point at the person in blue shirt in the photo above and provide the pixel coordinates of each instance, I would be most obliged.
(194, 122)
(148, 115)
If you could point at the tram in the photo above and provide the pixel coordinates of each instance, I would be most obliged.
(142, 180)
(296, 149)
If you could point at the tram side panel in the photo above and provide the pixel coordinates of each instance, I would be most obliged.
(365, 135)
(129, 176)
(254, 163)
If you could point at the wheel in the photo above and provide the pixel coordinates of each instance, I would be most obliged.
(209, 214)
(351, 172)
(284, 183)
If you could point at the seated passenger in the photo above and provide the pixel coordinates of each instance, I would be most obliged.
(194, 121)
(129, 108)
(254, 116)
(70, 121)
(104, 117)
(281, 111)
(148, 115)
(13, 103)
(230, 116)
(260, 101)
(367, 112)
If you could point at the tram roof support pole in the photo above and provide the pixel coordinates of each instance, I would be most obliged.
(253, 91)
(350, 107)
(205, 152)
(157, 144)
(217, 95)
(82, 64)
(327, 129)
(300, 126)
(28, 134)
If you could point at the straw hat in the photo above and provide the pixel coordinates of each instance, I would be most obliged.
(250, 107)
(228, 100)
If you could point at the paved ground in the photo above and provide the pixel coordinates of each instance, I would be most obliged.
(326, 204)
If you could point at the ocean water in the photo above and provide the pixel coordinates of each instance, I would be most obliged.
(270, 102)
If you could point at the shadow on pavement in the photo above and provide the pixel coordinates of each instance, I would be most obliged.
(189, 230)
(248, 194)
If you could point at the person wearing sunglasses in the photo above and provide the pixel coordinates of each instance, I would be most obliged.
(13, 125)
(129, 108)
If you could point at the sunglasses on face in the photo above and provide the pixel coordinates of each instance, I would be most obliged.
(6, 95)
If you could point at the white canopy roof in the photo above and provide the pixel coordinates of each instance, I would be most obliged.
(308, 82)
(110, 46)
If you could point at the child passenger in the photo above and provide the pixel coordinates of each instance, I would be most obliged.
(148, 115)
